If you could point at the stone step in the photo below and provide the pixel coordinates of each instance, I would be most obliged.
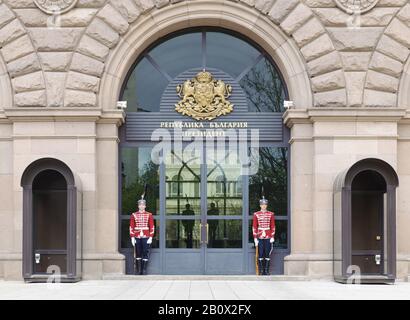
(207, 277)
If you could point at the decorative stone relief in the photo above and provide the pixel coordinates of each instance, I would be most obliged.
(356, 6)
(55, 6)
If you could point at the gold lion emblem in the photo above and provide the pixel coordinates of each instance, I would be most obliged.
(204, 98)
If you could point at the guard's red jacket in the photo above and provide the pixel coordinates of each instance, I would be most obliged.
(263, 225)
(142, 225)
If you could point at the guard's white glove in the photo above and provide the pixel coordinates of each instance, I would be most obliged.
(133, 241)
(272, 240)
(149, 241)
(256, 242)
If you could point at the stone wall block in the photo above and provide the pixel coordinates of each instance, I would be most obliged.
(114, 19)
(79, 99)
(281, 8)
(80, 81)
(102, 32)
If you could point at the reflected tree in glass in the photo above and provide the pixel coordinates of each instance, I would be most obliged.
(134, 180)
(264, 88)
(273, 176)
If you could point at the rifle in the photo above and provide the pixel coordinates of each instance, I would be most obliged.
(256, 260)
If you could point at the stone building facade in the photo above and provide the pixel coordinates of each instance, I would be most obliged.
(347, 72)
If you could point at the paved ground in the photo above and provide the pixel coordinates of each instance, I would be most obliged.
(202, 290)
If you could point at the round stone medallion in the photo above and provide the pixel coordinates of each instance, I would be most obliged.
(356, 6)
(55, 6)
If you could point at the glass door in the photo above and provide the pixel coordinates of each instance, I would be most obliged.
(203, 213)
(184, 220)
(203, 208)
(224, 212)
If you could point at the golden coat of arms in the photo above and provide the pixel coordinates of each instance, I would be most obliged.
(204, 98)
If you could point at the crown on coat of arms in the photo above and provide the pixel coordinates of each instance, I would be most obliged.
(204, 77)
(203, 97)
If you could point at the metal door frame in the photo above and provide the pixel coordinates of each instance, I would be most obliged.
(164, 218)
(27, 180)
(281, 252)
(243, 217)
(204, 250)
(343, 216)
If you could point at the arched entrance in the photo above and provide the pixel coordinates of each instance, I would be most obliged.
(202, 202)
(51, 222)
(364, 222)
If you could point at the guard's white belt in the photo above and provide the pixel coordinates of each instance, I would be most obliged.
(145, 228)
(263, 228)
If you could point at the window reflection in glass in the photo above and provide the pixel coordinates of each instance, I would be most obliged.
(228, 53)
(264, 88)
(179, 53)
(220, 206)
(183, 185)
(224, 184)
(224, 233)
(144, 88)
(273, 177)
(138, 170)
(177, 185)
(256, 74)
(183, 234)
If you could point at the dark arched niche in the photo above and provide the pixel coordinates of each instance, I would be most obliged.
(364, 223)
(51, 244)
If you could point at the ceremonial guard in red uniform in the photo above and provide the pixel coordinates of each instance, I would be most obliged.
(142, 230)
(264, 235)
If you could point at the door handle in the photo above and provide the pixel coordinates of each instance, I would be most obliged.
(207, 233)
(377, 259)
(37, 257)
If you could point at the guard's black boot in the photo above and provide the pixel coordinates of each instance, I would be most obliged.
(260, 267)
(145, 267)
(267, 267)
(144, 271)
(137, 266)
(263, 267)
(142, 267)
